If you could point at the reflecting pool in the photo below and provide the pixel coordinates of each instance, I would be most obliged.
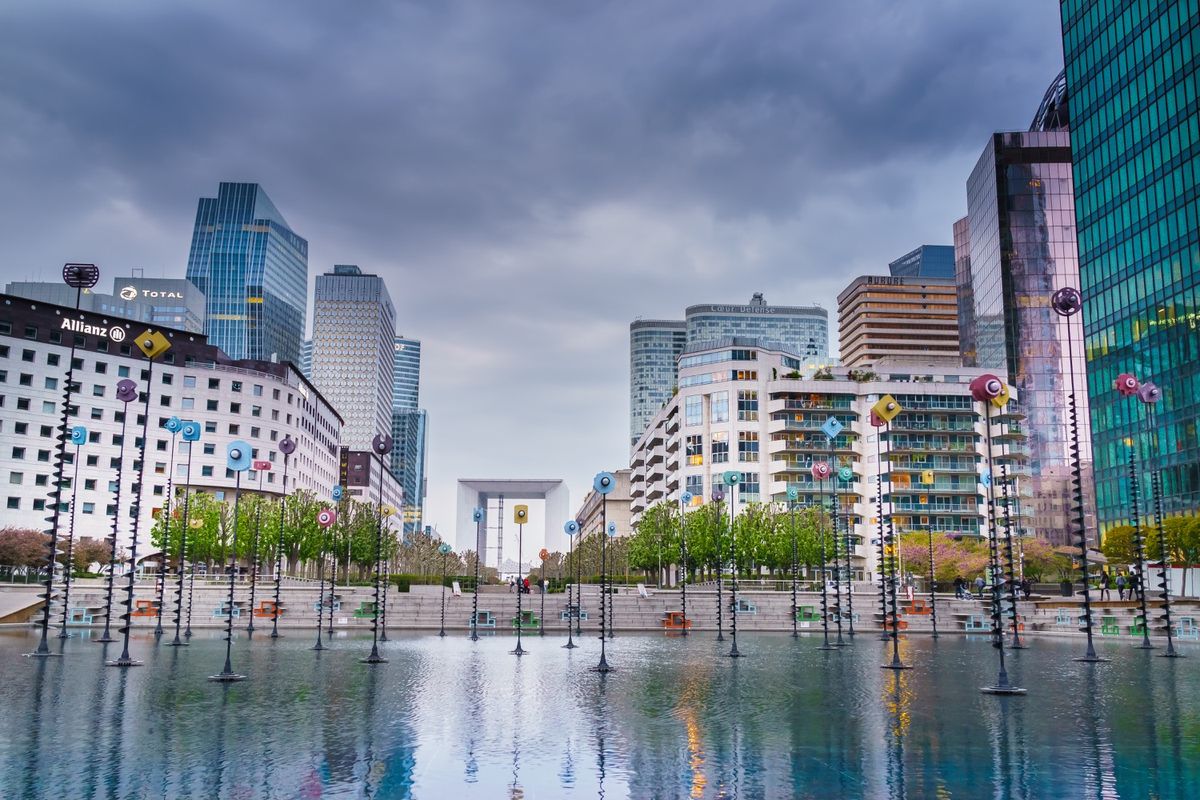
(448, 718)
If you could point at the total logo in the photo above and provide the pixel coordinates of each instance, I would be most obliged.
(132, 293)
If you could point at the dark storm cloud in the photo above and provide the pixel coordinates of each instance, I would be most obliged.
(529, 176)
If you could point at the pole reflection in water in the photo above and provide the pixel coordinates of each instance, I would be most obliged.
(898, 701)
(1099, 766)
(1009, 754)
(689, 710)
(515, 790)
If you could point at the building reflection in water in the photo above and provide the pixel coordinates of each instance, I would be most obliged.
(897, 701)
(689, 708)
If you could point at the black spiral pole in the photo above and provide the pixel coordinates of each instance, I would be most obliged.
(1002, 685)
(382, 445)
(325, 518)
(932, 587)
(844, 476)
(79, 277)
(287, 447)
(883, 612)
(892, 583)
(478, 517)
(227, 675)
(833, 531)
(331, 555)
(683, 582)
(571, 528)
(579, 591)
(387, 578)
(1139, 546)
(106, 636)
(124, 659)
(254, 550)
(166, 518)
(795, 561)
(824, 594)
(70, 566)
(1011, 576)
(603, 667)
(442, 627)
(1164, 564)
(520, 512)
(191, 434)
(731, 479)
(718, 496)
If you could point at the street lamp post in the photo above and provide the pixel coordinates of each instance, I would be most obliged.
(237, 459)
(603, 484)
(287, 447)
(190, 431)
(78, 277)
(381, 445)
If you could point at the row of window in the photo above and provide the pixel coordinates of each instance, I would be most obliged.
(718, 407)
(719, 441)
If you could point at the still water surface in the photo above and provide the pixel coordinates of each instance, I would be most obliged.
(448, 718)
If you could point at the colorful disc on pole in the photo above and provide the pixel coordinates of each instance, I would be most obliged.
(571, 527)
(887, 408)
(521, 514)
(612, 529)
(846, 474)
(79, 435)
(444, 548)
(604, 482)
(337, 493)
(1126, 384)
(543, 554)
(191, 431)
(287, 446)
(173, 425)
(1149, 393)
(326, 517)
(686, 498)
(152, 343)
(793, 494)
(731, 477)
(477, 515)
(126, 390)
(718, 494)
(832, 427)
(238, 456)
(985, 478)
(80, 276)
(820, 471)
(1067, 301)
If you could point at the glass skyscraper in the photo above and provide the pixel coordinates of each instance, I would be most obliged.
(409, 429)
(353, 325)
(927, 261)
(406, 383)
(253, 270)
(1135, 136)
(801, 330)
(654, 347)
(1017, 246)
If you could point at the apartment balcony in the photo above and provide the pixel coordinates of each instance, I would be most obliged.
(966, 425)
(655, 494)
(672, 424)
(900, 445)
(638, 460)
(933, 508)
(938, 465)
(657, 455)
(831, 405)
(672, 444)
(637, 490)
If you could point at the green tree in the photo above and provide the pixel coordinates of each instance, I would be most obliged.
(1118, 547)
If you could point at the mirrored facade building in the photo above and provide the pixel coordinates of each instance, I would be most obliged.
(353, 325)
(406, 381)
(1132, 74)
(654, 347)
(1017, 246)
(253, 270)
(409, 429)
(927, 261)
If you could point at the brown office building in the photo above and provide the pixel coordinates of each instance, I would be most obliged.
(898, 318)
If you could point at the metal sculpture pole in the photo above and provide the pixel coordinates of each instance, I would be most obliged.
(542, 585)
(173, 425)
(126, 393)
(571, 528)
(444, 549)
(326, 517)
(79, 437)
(579, 590)
(478, 516)
(237, 458)
(886, 409)
(339, 496)
(1014, 617)
(820, 471)
(718, 494)
(878, 423)
(381, 445)
(520, 515)
(932, 586)
(832, 427)
(792, 494)
(191, 434)
(261, 468)
(78, 277)
(287, 447)
(152, 344)
(685, 500)
(1150, 394)
(1067, 302)
(732, 479)
(845, 475)
(990, 390)
(603, 484)
(1127, 386)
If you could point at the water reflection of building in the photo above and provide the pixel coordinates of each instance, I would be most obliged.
(1013, 249)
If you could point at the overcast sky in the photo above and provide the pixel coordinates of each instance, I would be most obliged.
(529, 177)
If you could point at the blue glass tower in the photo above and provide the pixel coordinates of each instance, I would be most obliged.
(1135, 140)
(406, 381)
(409, 424)
(253, 270)
(927, 261)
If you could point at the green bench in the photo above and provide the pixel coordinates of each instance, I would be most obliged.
(746, 607)
(1109, 626)
(485, 619)
(526, 621)
(365, 610)
(975, 623)
(807, 614)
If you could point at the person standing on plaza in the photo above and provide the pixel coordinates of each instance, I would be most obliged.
(1121, 586)
(1105, 582)
(979, 586)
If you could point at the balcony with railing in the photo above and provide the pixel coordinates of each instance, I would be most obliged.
(934, 508)
(965, 425)
(811, 403)
(936, 463)
(936, 444)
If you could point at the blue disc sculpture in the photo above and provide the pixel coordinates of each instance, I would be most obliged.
(173, 426)
(731, 479)
(79, 437)
(237, 459)
(603, 484)
(571, 529)
(381, 445)
(685, 500)
(477, 516)
(191, 435)
(287, 447)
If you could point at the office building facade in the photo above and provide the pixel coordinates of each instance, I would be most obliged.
(406, 380)
(408, 462)
(1022, 247)
(927, 261)
(353, 326)
(253, 270)
(654, 346)
(258, 402)
(162, 302)
(760, 412)
(887, 317)
(1132, 73)
(306, 358)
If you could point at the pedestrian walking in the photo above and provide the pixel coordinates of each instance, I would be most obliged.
(1121, 586)
(979, 586)
(958, 587)
(1105, 582)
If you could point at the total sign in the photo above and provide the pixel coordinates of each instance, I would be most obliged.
(132, 293)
